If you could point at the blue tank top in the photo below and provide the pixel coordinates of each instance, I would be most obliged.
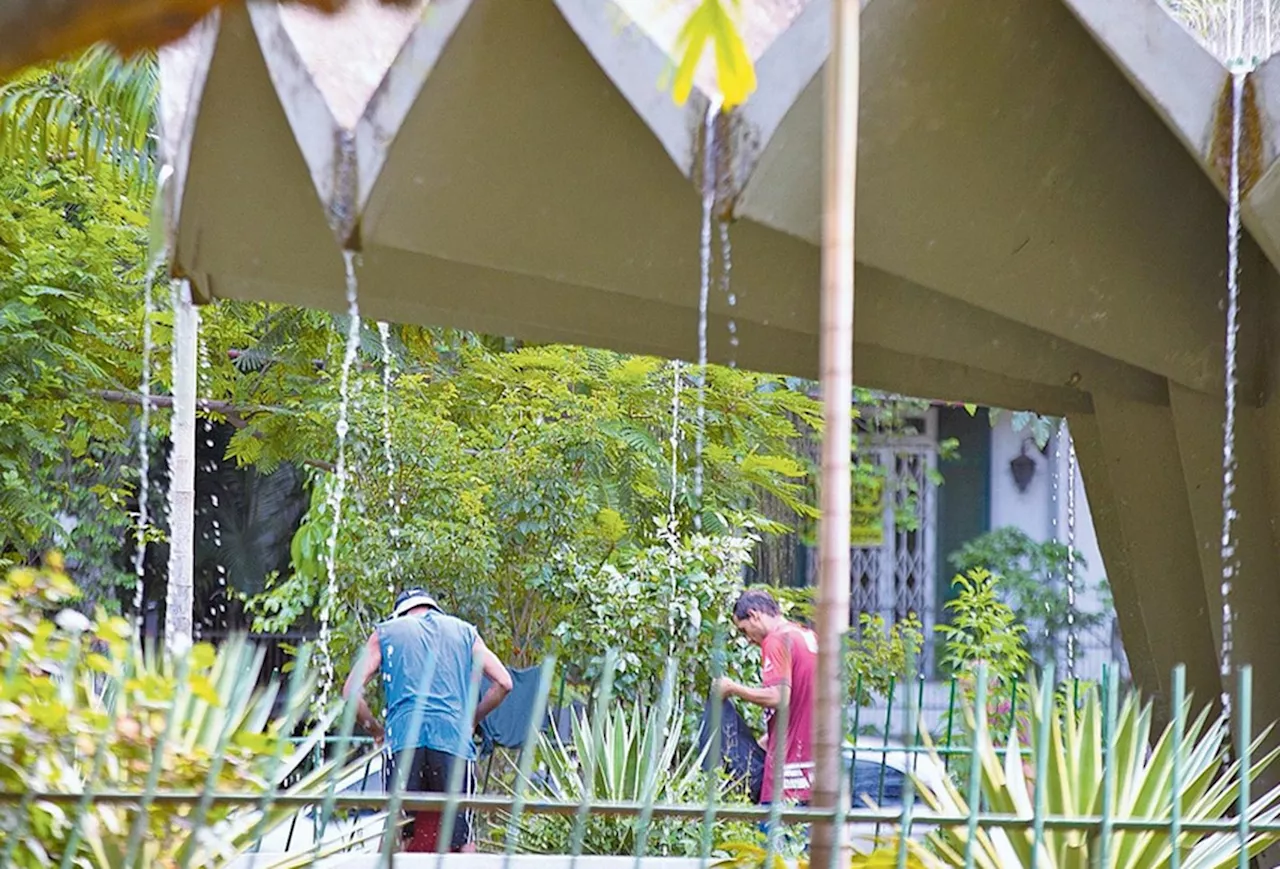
(406, 645)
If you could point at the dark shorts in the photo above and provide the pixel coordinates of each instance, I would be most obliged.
(430, 771)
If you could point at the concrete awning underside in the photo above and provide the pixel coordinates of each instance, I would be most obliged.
(1040, 226)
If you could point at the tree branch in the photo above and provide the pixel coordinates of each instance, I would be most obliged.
(233, 414)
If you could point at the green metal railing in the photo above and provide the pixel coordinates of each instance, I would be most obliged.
(898, 820)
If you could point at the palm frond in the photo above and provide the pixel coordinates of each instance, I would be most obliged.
(97, 110)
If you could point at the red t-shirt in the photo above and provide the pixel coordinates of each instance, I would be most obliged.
(790, 657)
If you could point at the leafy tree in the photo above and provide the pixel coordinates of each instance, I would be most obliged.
(71, 252)
(509, 467)
(1032, 579)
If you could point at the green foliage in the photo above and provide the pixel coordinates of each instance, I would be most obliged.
(72, 249)
(1031, 577)
(669, 599)
(1076, 758)
(515, 472)
(635, 755)
(93, 112)
(880, 656)
(983, 629)
(83, 706)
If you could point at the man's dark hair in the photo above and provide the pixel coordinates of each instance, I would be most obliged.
(755, 600)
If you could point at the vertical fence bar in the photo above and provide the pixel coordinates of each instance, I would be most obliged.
(655, 738)
(345, 729)
(884, 747)
(243, 653)
(526, 757)
(70, 665)
(908, 784)
(975, 767)
(404, 761)
(1045, 703)
(713, 761)
(604, 696)
(297, 681)
(857, 725)
(99, 760)
(777, 780)
(951, 717)
(461, 766)
(1244, 715)
(1176, 784)
(1111, 688)
(846, 788)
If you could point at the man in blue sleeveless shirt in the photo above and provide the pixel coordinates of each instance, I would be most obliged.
(399, 649)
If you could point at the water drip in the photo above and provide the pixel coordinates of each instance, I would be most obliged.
(726, 286)
(675, 447)
(1071, 551)
(338, 490)
(144, 452)
(704, 291)
(1229, 461)
(384, 333)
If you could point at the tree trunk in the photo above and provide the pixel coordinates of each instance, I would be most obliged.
(840, 154)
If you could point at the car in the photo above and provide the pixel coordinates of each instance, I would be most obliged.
(880, 774)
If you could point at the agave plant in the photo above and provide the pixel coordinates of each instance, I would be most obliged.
(1075, 781)
(85, 710)
(632, 756)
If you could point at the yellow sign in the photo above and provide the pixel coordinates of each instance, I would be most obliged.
(867, 520)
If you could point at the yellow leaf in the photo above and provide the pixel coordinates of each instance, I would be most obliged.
(735, 73)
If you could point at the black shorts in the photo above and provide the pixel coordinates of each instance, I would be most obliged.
(430, 771)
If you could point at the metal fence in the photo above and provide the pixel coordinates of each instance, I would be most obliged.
(1187, 808)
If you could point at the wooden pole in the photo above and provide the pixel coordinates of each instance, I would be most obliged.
(840, 157)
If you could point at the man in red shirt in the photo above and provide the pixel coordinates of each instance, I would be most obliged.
(789, 657)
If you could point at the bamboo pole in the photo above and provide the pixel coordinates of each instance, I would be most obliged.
(840, 156)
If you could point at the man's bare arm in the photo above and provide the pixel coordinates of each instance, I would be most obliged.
(769, 698)
(357, 679)
(499, 678)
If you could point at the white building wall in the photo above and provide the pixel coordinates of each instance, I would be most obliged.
(1042, 512)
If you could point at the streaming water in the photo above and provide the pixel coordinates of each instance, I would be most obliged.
(704, 292)
(384, 334)
(1071, 551)
(144, 447)
(338, 489)
(726, 285)
(1229, 462)
(1054, 502)
(675, 448)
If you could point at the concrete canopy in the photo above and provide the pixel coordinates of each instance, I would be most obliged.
(1031, 234)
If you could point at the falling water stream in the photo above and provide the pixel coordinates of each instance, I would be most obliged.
(393, 501)
(726, 286)
(1229, 462)
(1071, 551)
(704, 292)
(338, 490)
(1055, 501)
(675, 448)
(144, 450)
